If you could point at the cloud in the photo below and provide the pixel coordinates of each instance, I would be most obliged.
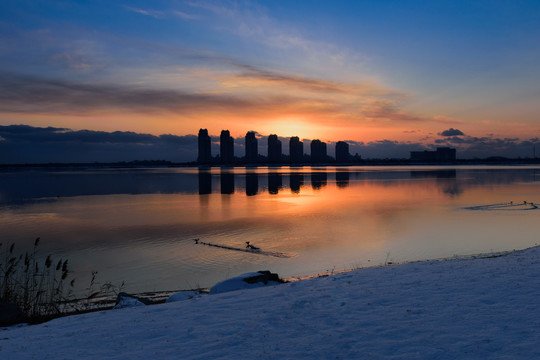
(28, 144)
(231, 87)
(184, 15)
(152, 13)
(267, 77)
(160, 14)
(487, 146)
(72, 61)
(35, 95)
(26, 133)
(451, 132)
(390, 110)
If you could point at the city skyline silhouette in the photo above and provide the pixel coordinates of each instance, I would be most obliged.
(275, 155)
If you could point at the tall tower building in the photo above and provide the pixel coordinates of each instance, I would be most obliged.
(205, 154)
(226, 147)
(342, 152)
(318, 151)
(296, 150)
(251, 148)
(274, 149)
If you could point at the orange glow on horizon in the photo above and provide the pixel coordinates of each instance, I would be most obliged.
(305, 126)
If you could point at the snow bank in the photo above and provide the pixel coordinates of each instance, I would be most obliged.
(126, 302)
(468, 309)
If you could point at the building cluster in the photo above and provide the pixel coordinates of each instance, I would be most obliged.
(318, 154)
(275, 153)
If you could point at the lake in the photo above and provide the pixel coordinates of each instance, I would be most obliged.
(139, 225)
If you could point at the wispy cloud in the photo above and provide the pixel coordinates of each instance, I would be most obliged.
(73, 61)
(152, 13)
(251, 21)
(161, 14)
(390, 110)
(266, 77)
(184, 15)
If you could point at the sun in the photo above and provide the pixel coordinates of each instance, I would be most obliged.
(291, 126)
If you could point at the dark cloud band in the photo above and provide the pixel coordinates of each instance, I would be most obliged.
(36, 95)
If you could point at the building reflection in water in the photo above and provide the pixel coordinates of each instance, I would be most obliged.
(446, 180)
(342, 179)
(227, 181)
(318, 180)
(252, 183)
(274, 182)
(205, 181)
(438, 174)
(296, 181)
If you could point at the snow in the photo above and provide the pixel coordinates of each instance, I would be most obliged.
(183, 295)
(483, 308)
(127, 302)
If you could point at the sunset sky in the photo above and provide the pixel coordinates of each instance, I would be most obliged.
(405, 73)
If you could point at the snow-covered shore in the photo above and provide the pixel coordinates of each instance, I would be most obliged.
(486, 308)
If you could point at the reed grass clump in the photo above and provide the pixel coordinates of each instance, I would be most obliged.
(38, 287)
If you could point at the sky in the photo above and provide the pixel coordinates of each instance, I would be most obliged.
(387, 76)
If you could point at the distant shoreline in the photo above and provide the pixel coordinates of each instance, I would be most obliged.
(375, 162)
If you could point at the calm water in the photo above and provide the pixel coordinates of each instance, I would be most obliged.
(137, 225)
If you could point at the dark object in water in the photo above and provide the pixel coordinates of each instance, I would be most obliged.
(251, 247)
(264, 277)
(247, 281)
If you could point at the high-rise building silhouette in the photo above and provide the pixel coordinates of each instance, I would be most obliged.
(251, 148)
(342, 152)
(226, 147)
(296, 150)
(274, 149)
(205, 154)
(318, 151)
